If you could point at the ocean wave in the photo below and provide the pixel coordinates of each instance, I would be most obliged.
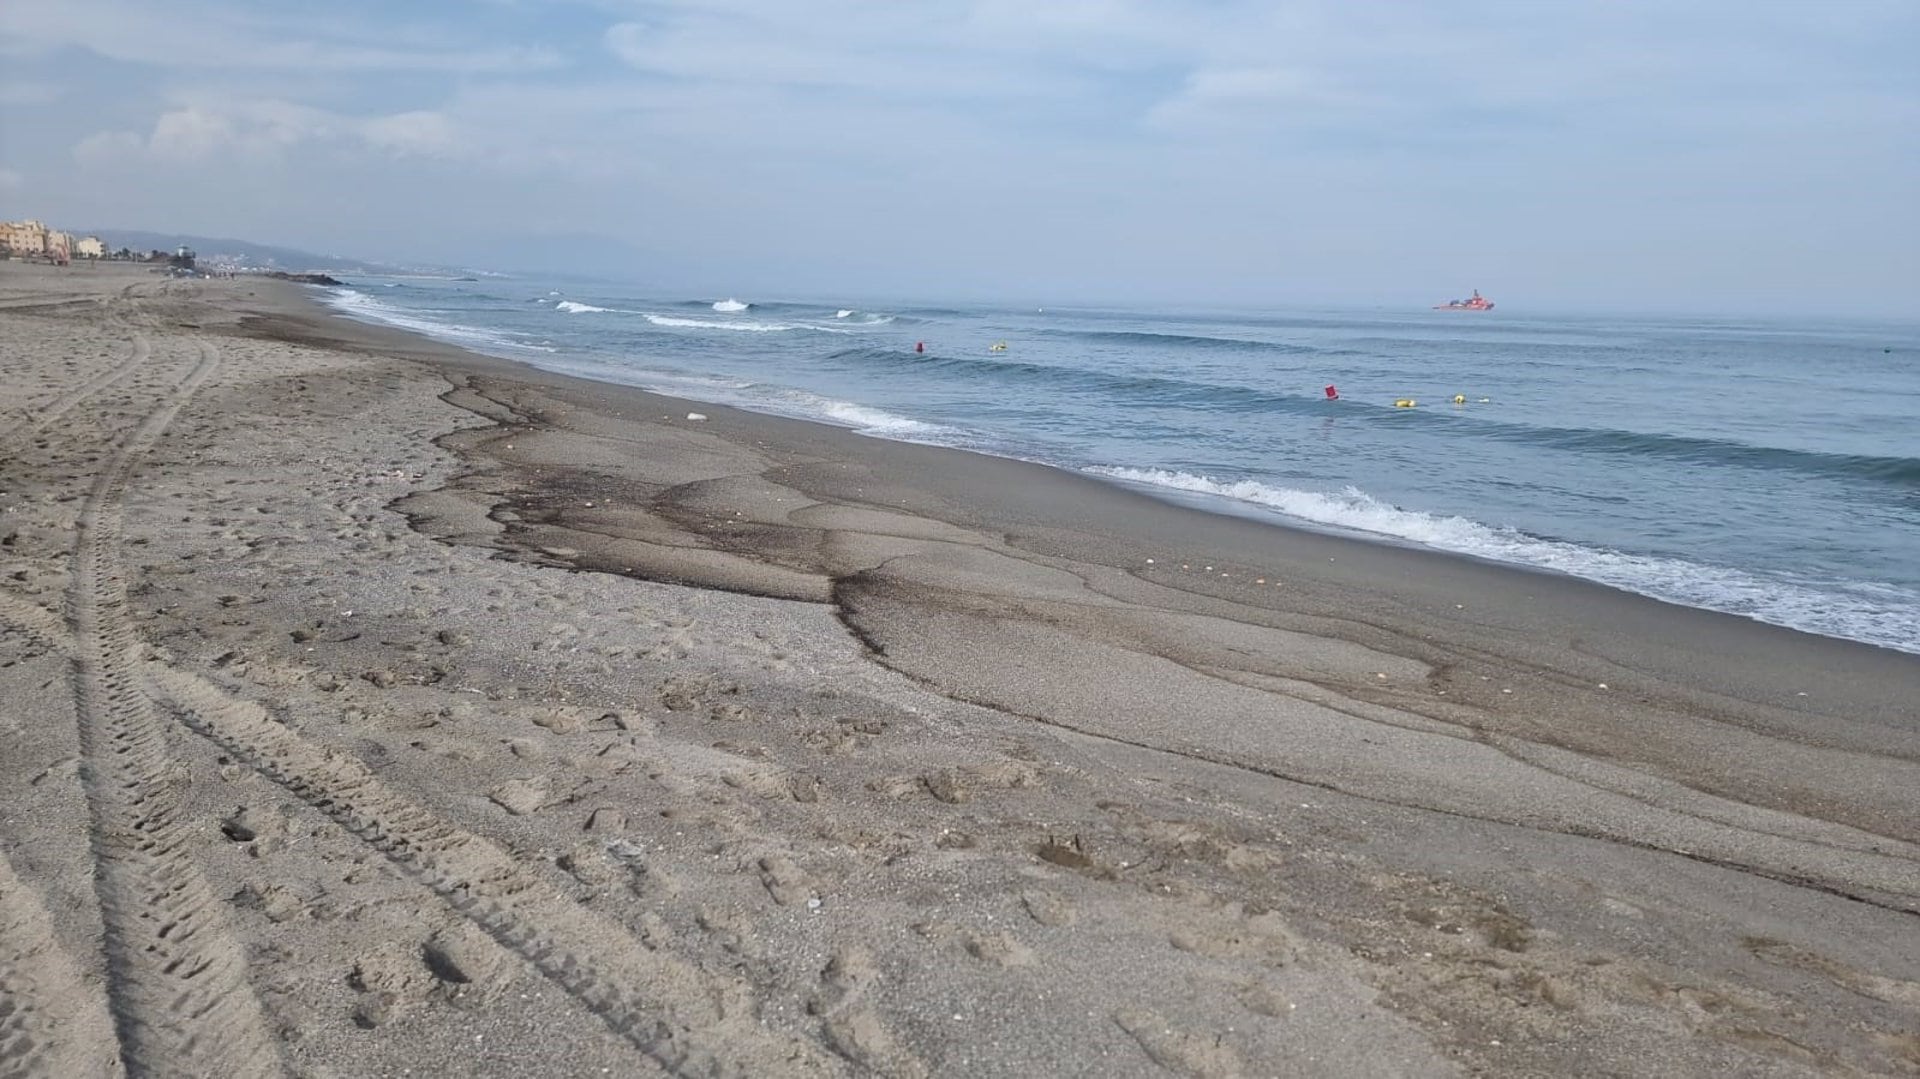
(1163, 390)
(868, 420)
(763, 397)
(730, 306)
(1179, 340)
(1158, 389)
(359, 305)
(677, 323)
(1874, 613)
(573, 308)
(862, 318)
(709, 324)
(1697, 449)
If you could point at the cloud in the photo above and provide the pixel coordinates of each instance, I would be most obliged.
(628, 42)
(268, 128)
(871, 53)
(1240, 96)
(199, 36)
(186, 134)
(1098, 133)
(109, 148)
(417, 134)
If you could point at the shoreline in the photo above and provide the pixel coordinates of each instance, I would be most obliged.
(1579, 590)
(875, 743)
(1548, 640)
(1222, 505)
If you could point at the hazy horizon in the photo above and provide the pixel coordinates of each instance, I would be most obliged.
(1717, 158)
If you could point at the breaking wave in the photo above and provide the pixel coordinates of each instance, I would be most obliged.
(358, 305)
(1875, 613)
(677, 323)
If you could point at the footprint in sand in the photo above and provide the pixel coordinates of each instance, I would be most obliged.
(523, 796)
(862, 1038)
(1178, 1051)
(1002, 949)
(1263, 937)
(1049, 909)
(785, 881)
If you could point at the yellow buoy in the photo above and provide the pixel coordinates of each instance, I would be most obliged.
(1459, 398)
(1405, 402)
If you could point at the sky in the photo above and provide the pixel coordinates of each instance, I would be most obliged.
(1716, 155)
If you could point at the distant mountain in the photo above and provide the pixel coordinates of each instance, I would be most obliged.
(218, 251)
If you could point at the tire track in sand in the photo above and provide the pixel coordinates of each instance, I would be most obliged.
(662, 1005)
(38, 419)
(177, 982)
(52, 1024)
(669, 1009)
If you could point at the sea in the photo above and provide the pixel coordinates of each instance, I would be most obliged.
(1764, 467)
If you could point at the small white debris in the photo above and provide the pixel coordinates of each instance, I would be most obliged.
(1603, 685)
(696, 416)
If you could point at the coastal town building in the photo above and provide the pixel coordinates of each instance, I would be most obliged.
(89, 247)
(34, 240)
(24, 239)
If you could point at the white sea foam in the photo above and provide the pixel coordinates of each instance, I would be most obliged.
(761, 397)
(710, 324)
(731, 306)
(356, 304)
(1875, 614)
(572, 308)
(875, 421)
(842, 313)
(675, 322)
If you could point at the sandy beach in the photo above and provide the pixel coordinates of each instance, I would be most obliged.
(376, 708)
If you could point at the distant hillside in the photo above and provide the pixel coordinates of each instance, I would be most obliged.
(218, 251)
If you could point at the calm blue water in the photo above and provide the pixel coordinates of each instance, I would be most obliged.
(1767, 469)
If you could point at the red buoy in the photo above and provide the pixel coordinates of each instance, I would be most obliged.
(1332, 394)
(919, 346)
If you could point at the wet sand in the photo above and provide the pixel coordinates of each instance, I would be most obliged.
(463, 717)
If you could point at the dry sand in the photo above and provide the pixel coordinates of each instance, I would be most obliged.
(371, 708)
